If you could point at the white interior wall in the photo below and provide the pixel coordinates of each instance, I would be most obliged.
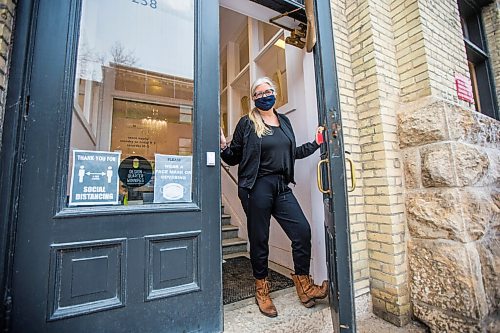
(302, 99)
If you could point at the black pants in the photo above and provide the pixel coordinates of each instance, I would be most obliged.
(271, 196)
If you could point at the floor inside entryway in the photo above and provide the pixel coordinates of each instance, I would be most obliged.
(244, 316)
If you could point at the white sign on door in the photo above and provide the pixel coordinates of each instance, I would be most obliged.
(173, 178)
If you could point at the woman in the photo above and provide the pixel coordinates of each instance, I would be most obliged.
(263, 145)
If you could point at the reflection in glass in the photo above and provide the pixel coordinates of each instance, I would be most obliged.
(272, 63)
(133, 91)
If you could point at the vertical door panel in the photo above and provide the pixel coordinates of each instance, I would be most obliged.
(337, 229)
(116, 228)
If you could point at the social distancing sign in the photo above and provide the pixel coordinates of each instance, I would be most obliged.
(94, 178)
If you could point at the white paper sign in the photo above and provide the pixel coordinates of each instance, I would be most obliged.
(173, 178)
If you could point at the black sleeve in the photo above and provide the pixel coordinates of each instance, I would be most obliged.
(233, 153)
(305, 150)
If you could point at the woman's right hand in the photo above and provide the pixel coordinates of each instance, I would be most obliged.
(223, 142)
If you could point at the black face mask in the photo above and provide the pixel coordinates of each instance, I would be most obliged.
(265, 103)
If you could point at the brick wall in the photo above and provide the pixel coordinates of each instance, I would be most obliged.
(413, 68)
(491, 19)
(351, 140)
(7, 10)
(377, 89)
(394, 56)
(444, 47)
(369, 87)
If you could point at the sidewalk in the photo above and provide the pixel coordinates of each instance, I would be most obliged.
(244, 316)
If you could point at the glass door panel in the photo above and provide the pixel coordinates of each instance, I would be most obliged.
(132, 131)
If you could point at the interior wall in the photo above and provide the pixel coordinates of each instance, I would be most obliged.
(302, 111)
(302, 98)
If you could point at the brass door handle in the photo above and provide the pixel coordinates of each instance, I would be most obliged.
(320, 178)
(353, 175)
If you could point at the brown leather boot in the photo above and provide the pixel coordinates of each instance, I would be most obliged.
(308, 291)
(266, 306)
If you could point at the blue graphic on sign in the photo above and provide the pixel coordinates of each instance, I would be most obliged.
(94, 178)
(173, 178)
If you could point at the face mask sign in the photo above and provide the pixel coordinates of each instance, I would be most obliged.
(265, 103)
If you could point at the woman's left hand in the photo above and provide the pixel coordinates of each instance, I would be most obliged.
(319, 135)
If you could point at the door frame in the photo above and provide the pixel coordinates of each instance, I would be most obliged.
(336, 205)
(16, 106)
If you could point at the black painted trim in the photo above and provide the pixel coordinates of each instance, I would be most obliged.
(12, 144)
(476, 46)
(336, 206)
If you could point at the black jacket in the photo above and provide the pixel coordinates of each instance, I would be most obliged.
(245, 148)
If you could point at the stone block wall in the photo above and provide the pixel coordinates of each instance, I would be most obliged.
(7, 11)
(452, 180)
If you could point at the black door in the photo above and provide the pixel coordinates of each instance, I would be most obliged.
(332, 176)
(118, 227)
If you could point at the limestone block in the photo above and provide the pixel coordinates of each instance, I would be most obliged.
(411, 166)
(437, 165)
(480, 212)
(422, 125)
(492, 324)
(473, 127)
(440, 322)
(471, 164)
(489, 255)
(436, 214)
(446, 278)
(492, 177)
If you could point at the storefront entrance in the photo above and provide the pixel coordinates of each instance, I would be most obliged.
(113, 225)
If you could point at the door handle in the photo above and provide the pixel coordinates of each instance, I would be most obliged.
(353, 175)
(319, 175)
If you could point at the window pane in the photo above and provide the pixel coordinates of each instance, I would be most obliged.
(272, 63)
(132, 131)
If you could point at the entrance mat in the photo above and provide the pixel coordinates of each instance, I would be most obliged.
(238, 281)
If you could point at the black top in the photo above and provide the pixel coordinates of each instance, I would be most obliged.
(245, 148)
(275, 151)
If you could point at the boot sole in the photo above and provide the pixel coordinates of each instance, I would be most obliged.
(309, 304)
(265, 314)
(321, 297)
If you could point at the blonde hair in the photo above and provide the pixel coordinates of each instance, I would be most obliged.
(254, 115)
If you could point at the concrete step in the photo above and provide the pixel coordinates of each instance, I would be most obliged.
(225, 219)
(233, 245)
(229, 231)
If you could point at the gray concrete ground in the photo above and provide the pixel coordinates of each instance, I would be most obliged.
(244, 316)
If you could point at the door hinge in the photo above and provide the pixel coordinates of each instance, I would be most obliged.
(7, 310)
